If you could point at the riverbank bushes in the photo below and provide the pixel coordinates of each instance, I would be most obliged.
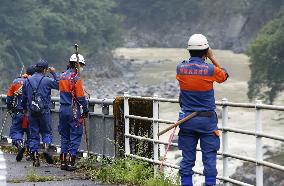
(125, 171)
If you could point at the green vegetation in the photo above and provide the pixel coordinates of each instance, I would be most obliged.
(152, 13)
(49, 28)
(123, 171)
(9, 149)
(16, 180)
(33, 177)
(267, 60)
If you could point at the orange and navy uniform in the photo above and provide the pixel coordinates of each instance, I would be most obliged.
(14, 87)
(70, 87)
(17, 128)
(196, 80)
(69, 128)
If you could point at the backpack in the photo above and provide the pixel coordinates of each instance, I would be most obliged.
(37, 104)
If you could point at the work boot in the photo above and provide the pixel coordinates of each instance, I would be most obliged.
(21, 150)
(71, 163)
(28, 154)
(47, 155)
(35, 158)
(63, 161)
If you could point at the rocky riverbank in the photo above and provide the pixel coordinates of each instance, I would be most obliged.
(124, 79)
(272, 177)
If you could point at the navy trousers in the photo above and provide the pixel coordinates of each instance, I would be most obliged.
(198, 129)
(16, 130)
(70, 130)
(39, 126)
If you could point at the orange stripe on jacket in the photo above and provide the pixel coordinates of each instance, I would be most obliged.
(195, 83)
(79, 91)
(201, 83)
(13, 88)
(220, 75)
(64, 85)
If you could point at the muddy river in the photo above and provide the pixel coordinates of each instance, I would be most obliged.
(159, 64)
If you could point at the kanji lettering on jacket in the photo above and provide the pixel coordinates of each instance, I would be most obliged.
(196, 80)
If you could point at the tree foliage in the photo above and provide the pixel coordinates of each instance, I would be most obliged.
(33, 29)
(158, 14)
(267, 60)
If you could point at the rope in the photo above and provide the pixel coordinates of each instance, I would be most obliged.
(169, 144)
(3, 124)
(75, 102)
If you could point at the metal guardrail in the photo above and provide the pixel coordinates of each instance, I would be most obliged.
(258, 160)
(101, 132)
(100, 126)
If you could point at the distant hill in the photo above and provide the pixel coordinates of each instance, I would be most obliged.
(227, 24)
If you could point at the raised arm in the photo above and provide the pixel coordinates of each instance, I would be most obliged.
(54, 83)
(220, 74)
(25, 96)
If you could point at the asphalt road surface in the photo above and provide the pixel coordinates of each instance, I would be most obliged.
(14, 173)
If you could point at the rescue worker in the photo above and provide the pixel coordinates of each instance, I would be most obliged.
(14, 106)
(70, 116)
(196, 78)
(40, 124)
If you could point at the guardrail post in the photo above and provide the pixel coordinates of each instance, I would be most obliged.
(259, 153)
(105, 112)
(91, 107)
(225, 143)
(3, 114)
(126, 125)
(155, 132)
(2, 109)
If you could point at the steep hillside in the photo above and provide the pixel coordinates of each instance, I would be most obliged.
(228, 24)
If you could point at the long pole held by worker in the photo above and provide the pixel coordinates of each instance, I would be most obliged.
(18, 92)
(178, 123)
(84, 119)
(173, 133)
(3, 124)
(77, 56)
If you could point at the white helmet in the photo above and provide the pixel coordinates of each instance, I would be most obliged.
(73, 58)
(197, 42)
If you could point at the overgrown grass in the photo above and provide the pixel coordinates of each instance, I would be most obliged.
(15, 180)
(33, 177)
(8, 149)
(126, 171)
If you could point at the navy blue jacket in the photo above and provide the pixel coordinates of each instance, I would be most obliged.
(44, 89)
